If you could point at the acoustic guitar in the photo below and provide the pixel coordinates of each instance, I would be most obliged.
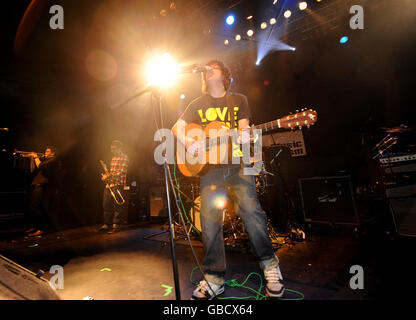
(218, 146)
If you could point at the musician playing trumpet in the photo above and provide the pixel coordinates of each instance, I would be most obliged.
(43, 190)
(115, 180)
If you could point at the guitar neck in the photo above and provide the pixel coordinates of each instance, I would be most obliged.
(268, 126)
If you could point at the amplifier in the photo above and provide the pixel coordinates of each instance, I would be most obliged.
(157, 202)
(328, 200)
(402, 202)
(135, 207)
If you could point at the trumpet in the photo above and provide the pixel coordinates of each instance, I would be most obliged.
(27, 153)
(117, 198)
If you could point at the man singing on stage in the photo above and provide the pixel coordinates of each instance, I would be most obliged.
(217, 103)
(116, 180)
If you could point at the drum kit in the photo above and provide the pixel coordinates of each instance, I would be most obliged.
(235, 234)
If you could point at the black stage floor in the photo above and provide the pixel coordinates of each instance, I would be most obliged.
(129, 266)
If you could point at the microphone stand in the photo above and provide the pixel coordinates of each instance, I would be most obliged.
(171, 228)
(152, 91)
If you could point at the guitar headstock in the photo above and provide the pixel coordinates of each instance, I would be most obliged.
(300, 119)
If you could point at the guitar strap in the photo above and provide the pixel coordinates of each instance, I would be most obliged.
(231, 103)
(230, 100)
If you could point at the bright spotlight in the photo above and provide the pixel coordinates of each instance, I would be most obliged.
(161, 71)
(249, 17)
(287, 14)
(220, 202)
(293, 48)
(274, 2)
(183, 96)
(237, 37)
(263, 25)
(230, 20)
(344, 39)
(226, 42)
(257, 63)
(272, 21)
(250, 33)
(303, 5)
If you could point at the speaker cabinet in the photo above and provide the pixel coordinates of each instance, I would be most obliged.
(18, 283)
(402, 202)
(136, 206)
(328, 200)
(158, 204)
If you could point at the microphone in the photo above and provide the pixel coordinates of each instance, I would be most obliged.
(195, 68)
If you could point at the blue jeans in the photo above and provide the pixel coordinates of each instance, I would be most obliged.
(111, 209)
(247, 207)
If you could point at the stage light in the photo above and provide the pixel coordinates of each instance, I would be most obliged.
(226, 42)
(249, 17)
(238, 37)
(257, 63)
(230, 20)
(274, 2)
(318, 0)
(344, 39)
(183, 96)
(272, 21)
(220, 202)
(287, 14)
(161, 71)
(303, 5)
(263, 25)
(293, 48)
(250, 33)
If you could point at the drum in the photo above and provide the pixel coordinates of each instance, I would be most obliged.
(261, 184)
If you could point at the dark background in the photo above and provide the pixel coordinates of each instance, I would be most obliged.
(54, 90)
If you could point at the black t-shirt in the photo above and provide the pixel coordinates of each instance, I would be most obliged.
(229, 110)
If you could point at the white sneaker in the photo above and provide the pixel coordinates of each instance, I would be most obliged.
(274, 285)
(204, 292)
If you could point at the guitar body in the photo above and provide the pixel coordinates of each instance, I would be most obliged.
(218, 150)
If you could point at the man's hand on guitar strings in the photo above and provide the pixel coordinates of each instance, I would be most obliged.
(244, 136)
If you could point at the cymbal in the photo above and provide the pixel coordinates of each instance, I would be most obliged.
(400, 129)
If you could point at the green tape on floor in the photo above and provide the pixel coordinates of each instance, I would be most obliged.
(168, 289)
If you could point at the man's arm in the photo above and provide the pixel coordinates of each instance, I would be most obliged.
(36, 158)
(186, 141)
(243, 124)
